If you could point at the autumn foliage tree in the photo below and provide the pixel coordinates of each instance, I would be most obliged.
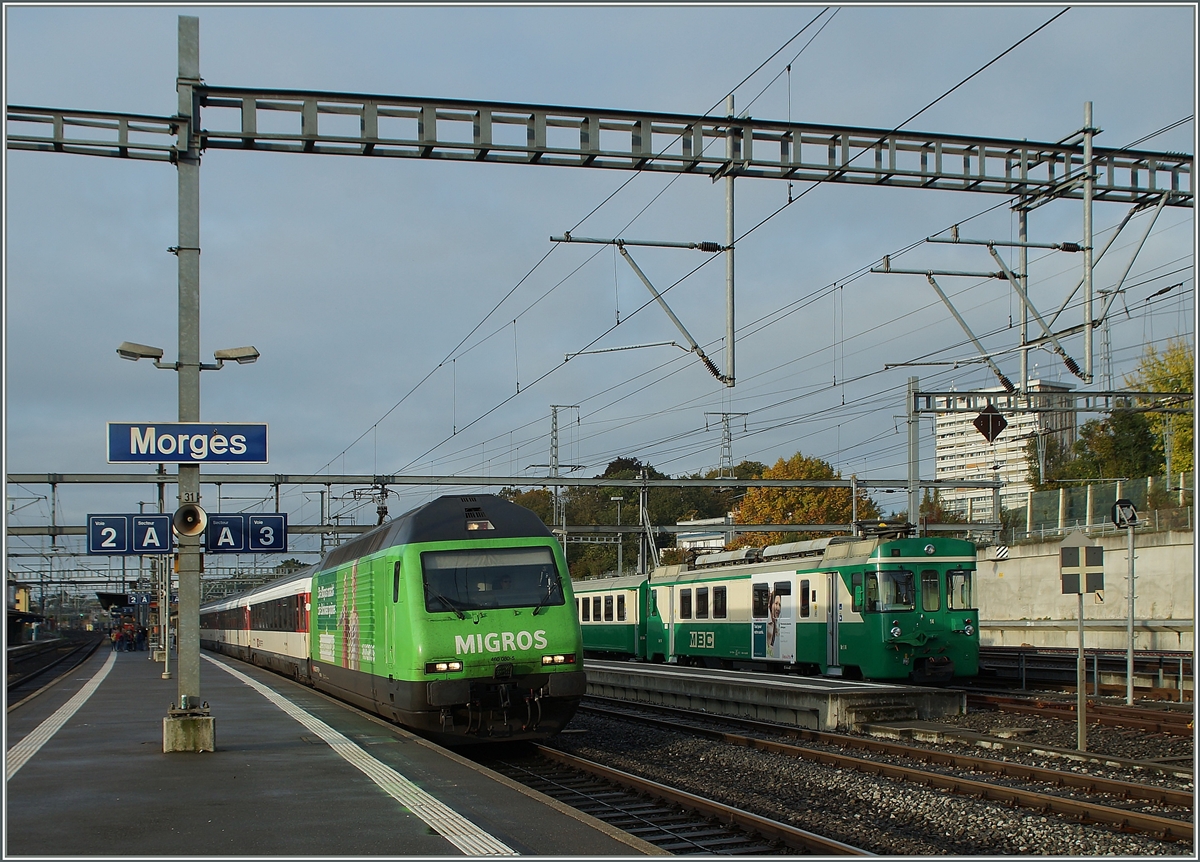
(1128, 443)
(1170, 370)
(798, 505)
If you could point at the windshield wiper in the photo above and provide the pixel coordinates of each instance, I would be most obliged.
(450, 605)
(546, 598)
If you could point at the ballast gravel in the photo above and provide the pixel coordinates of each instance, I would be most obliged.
(875, 814)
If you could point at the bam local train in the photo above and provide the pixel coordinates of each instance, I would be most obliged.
(455, 619)
(864, 608)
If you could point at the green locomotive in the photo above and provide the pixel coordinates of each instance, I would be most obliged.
(869, 608)
(454, 619)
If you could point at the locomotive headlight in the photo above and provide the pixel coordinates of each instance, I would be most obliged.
(443, 666)
(567, 658)
(968, 629)
(895, 629)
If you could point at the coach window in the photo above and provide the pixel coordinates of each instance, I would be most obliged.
(685, 604)
(958, 589)
(718, 603)
(930, 600)
(654, 603)
(701, 603)
(396, 582)
(804, 606)
(762, 601)
(856, 592)
(585, 606)
(596, 608)
(608, 609)
(621, 607)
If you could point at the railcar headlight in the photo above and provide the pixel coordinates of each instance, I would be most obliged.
(895, 629)
(561, 658)
(443, 666)
(968, 629)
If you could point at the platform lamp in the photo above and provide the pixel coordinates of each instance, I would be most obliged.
(133, 351)
(191, 708)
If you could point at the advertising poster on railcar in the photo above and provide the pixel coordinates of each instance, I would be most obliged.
(773, 631)
(345, 618)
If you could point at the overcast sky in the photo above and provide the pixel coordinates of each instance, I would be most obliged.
(356, 277)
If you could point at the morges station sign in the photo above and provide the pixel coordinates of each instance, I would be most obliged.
(186, 443)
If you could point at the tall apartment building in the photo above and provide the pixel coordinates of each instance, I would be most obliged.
(963, 453)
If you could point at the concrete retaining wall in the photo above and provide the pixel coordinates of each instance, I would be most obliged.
(1021, 601)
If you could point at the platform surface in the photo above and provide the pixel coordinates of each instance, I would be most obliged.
(294, 774)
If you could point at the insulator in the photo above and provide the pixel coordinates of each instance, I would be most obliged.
(1074, 368)
(1070, 246)
(708, 363)
(1007, 384)
(709, 246)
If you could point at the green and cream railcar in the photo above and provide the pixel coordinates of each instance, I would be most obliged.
(870, 608)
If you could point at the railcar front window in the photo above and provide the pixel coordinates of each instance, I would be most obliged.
(958, 589)
(891, 591)
(487, 578)
(930, 599)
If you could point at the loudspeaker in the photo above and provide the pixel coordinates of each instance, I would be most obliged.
(189, 520)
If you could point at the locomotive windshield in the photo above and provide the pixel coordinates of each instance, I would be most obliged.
(890, 591)
(489, 578)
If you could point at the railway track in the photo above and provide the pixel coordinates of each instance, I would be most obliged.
(1081, 810)
(28, 663)
(673, 820)
(1151, 720)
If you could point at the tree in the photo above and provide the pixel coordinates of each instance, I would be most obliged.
(1129, 443)
(1120, 446)
(1171, 370)
(540, 501)
(798, 505)
(1045, 466)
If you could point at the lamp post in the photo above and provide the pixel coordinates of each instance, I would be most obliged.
(190, 706)
(620, 538)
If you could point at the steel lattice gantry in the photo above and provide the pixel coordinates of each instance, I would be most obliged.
(511, 132)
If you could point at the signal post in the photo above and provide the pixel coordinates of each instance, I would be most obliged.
(1081, 567)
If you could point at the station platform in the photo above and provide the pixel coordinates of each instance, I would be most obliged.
(816, 703)
(295, 774)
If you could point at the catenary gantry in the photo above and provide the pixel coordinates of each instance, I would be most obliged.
(519, 133)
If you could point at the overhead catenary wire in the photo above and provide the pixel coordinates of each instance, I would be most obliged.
(842, 376)
(504, 299)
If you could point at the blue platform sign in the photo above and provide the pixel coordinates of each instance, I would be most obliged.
(267, 533)
(245, 533)
(225, 534)
(108, 534)
(130, 535)
(186, 443)
(151, 534)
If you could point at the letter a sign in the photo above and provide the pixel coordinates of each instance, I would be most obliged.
(152, 534)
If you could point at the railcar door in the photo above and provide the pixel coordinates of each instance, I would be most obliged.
(664, 596)
(833, 613)
(655, 632)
